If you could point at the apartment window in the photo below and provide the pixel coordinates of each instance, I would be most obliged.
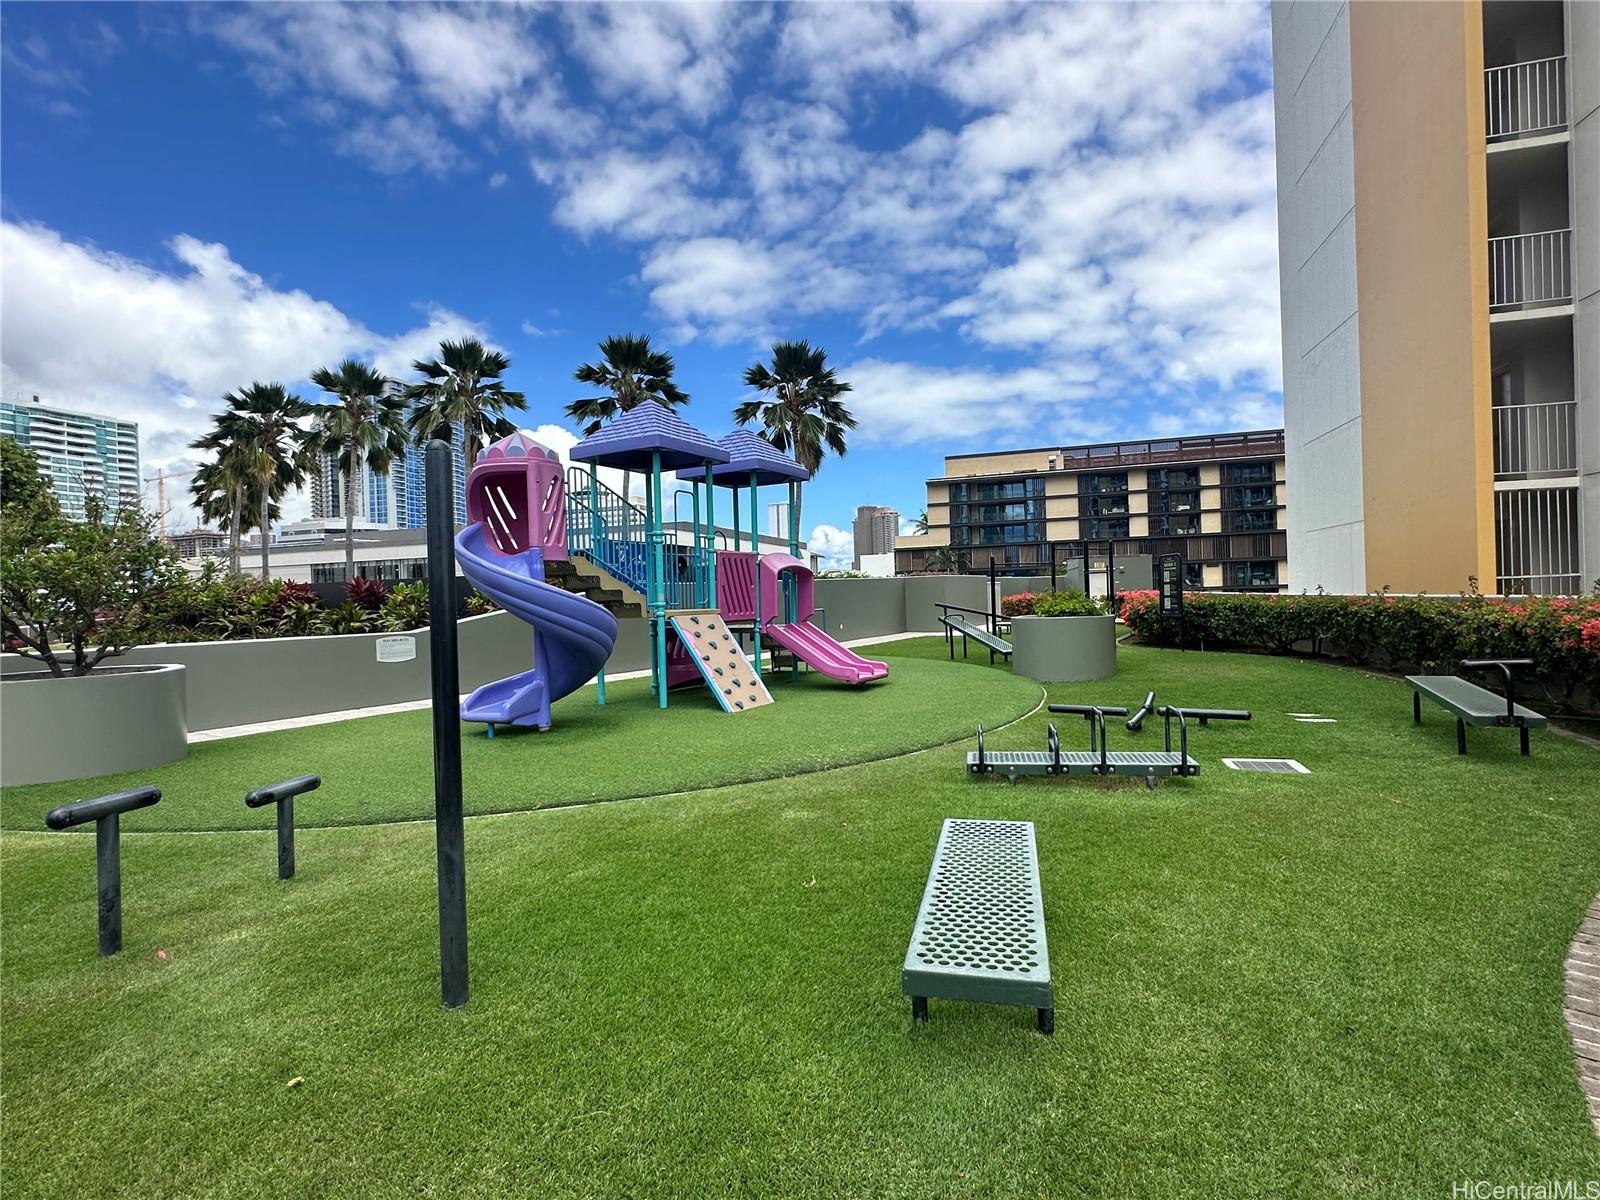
(1166, 479)
(1010, 489)
(1105, 528)
(1098, 483)
(1194, 575)
(1248, 520)
(1174, 524)
(1235, 474)
(1175, 501)
(1254, 574)
(1104, 506)
(1019, 510)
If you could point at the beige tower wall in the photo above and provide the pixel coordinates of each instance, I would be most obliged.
(1421, 226)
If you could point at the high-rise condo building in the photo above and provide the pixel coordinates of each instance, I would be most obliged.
(1439, 243)
(82, 454)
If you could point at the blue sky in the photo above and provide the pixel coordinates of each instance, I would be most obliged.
(1009, 225)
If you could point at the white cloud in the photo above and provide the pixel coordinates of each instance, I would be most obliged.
(836, 546)
(682, 55)
(904, 402)
(498, 179)
(161, 345)
(634, 195)
(730, 289)
(400, 143)
(466, 59)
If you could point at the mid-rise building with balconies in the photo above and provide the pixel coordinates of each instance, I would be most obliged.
(1439, 237)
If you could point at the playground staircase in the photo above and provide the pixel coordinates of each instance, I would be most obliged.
(571, 577)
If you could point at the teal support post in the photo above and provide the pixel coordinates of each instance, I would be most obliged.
(755, 524)
(734, 490)
(755, 546)
(711, 537)
(794, 517)
(658, 577)
(594, 552)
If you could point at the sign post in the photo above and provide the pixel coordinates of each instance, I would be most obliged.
(1169, 582)
(449, 829)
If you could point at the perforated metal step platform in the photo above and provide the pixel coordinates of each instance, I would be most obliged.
(979, 934)
(1015, 763)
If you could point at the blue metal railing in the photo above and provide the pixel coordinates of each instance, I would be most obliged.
(612, 533)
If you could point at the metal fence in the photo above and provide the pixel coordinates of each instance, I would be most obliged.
(1530, 268)
(1534, 441)
(1536, 542)
(1526, 97)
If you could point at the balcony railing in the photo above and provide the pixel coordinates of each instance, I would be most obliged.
(1525, 98)
(1530, 268)
(1536, 542)
(1536, 441)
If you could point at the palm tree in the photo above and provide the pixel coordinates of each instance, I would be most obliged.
(630, 372)
(920, 525)
(804, 417)
(462, 388)
(263, 421)
(220, 483)
(365, 425)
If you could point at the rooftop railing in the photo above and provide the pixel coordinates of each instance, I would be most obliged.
(1525, 98)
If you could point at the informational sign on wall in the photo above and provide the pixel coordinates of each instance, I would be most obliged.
(397, 649)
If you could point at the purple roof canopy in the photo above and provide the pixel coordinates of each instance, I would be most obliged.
(632, 439)
(749, 454)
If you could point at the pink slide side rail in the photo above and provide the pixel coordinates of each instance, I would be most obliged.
(811, 645)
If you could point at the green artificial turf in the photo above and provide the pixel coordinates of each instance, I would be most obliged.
(381, 768)
(1342, 984)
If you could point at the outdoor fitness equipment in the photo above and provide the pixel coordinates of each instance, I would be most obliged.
(1100, 760)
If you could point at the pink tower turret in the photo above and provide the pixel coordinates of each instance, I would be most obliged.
(517, 491)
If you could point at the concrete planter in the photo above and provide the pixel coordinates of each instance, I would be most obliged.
(113, 719)
(1053, 649)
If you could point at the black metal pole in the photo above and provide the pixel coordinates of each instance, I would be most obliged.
(994, 624)
(1052, 566)
(449, 829)
(286, 838)
(108, 863)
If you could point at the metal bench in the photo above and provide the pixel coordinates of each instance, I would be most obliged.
(1474, 705)
(1098, 760)
(979, 934)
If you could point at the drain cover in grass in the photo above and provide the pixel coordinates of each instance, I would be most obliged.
(1275, 766)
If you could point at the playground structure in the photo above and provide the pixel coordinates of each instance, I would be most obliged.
(700, 600)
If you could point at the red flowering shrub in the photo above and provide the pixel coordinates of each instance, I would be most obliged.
(1020, 605)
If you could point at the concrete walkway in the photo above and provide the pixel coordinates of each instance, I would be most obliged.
(1583, 1005)
(352, 714)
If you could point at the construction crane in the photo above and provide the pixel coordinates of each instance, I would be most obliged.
(161, 496)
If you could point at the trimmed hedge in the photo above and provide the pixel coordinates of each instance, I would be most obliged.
(1393, 633)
